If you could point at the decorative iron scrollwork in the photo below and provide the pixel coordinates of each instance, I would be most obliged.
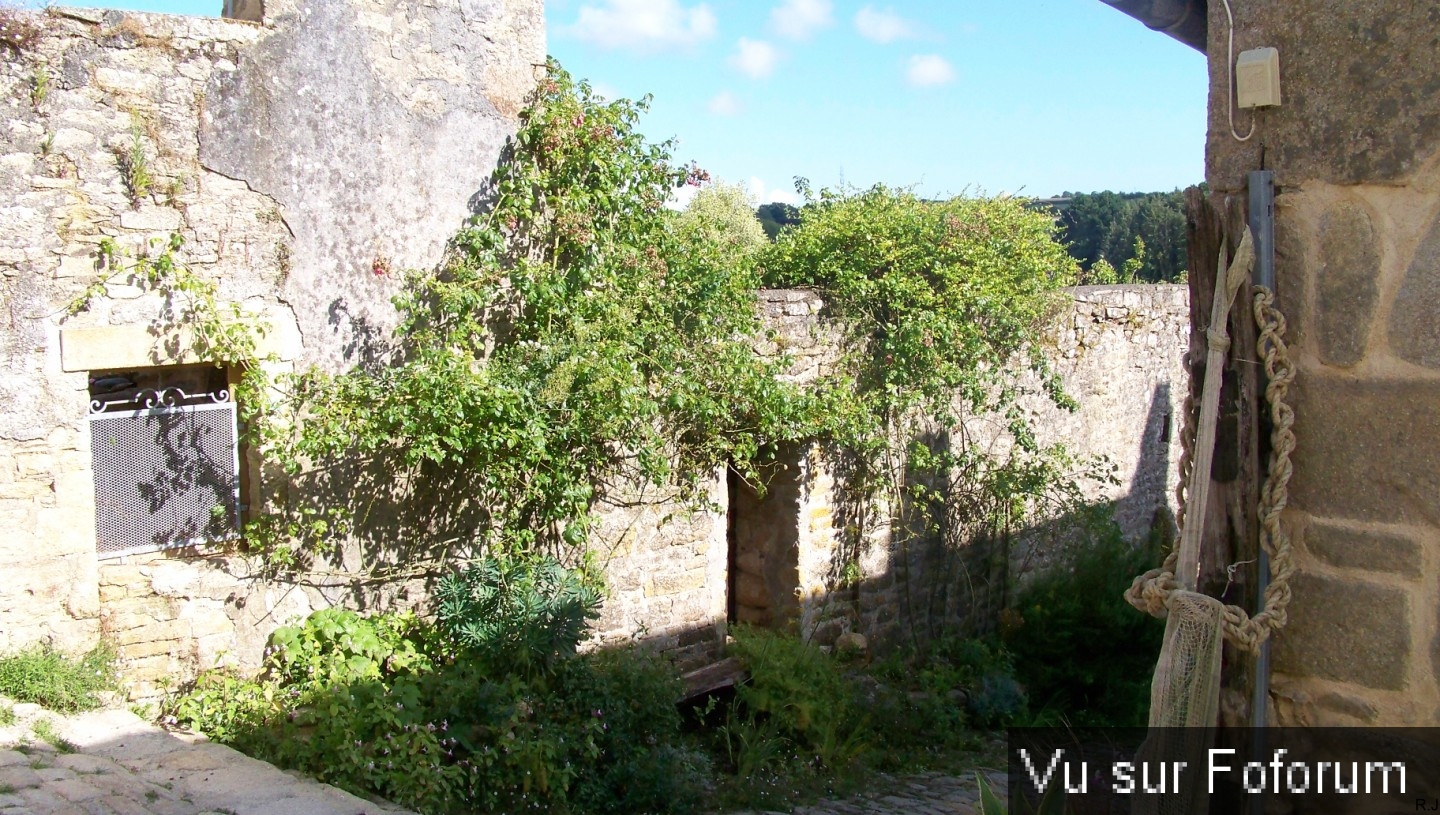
(158, 399)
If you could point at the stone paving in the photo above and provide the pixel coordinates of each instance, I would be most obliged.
(924, 794)
(112, 762)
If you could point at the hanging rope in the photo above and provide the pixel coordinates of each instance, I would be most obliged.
(1151, 591)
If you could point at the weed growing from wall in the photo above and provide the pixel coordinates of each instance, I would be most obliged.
(39, 86)
(134, 165)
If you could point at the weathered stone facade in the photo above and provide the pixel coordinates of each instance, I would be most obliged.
(1355, 150)
(296, 158)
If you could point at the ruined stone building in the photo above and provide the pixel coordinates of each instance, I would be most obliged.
(301, 156)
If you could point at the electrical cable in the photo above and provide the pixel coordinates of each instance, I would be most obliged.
(1230, 80)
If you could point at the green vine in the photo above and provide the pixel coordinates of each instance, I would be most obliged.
(582, 345)
(222, 331)
(197, 321)
(942, 306)
(572, 349)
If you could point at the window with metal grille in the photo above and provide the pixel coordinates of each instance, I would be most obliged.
(166, 459)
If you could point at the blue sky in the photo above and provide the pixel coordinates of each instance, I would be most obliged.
(979, 96)
(984, 96)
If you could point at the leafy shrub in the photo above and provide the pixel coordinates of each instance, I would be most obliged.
(335, 646)
(640, 766)
(804, 693)
(52, 679)
(1080, 649)
(462, 716)
(516, 611)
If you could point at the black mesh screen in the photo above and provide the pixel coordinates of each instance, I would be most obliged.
(164, 477)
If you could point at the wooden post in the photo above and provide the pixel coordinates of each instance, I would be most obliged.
(1232, 518)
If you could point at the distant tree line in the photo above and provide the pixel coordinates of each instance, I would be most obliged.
(1116, 237)
(775, 217)
(1132, 237)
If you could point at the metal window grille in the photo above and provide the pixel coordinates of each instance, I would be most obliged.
(167, 473)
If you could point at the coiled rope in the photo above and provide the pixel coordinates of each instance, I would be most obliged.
(1151, 591)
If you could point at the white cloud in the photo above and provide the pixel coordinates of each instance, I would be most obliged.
(680, 197)
(929, 69)
(798, 19)
(607, 93)
(725, 103)
(754, 58)
(764, 195)
(646, 24)
(882, 26)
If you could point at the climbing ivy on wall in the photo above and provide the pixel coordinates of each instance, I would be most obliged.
(942, 303)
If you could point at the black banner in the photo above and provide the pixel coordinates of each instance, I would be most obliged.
(1295, 771)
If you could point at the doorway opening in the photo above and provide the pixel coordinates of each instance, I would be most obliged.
(763, 534)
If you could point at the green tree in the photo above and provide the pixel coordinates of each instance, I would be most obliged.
(1106, 225)
(575, 342)
(722, 215)
(775, 216)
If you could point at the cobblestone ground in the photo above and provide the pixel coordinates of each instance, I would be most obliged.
(113, 763)
(926, 794)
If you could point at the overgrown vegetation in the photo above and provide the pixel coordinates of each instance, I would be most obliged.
(487, 709)
(578, 344)
(574, 342)
(1083, 653)
(941, 303)
(57, 681)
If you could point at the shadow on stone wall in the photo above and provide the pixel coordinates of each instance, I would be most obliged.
(950, 568)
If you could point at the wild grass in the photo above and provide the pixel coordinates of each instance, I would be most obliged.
(56, 681)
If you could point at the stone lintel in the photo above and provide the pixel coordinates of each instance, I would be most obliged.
(101, 348)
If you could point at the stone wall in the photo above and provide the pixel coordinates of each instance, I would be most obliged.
(1355, 148)
(300, 159)
(1120, 353)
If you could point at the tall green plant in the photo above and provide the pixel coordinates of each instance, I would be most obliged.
(803, 694)
(523, 614)
(942, 304)
(571, 342)
(1078, 647)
